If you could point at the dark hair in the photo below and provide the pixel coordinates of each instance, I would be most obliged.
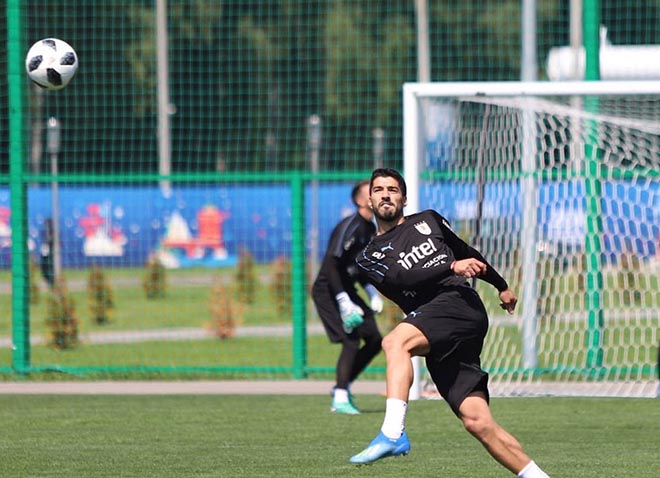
(389, 173)
(356, 190)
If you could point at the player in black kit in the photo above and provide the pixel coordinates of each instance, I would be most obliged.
(418, 262)
(346, 317)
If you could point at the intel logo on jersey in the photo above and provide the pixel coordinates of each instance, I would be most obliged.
(417, 253)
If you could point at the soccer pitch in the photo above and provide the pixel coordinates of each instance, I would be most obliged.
(296, 436)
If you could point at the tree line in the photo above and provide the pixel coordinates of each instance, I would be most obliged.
(245, 76)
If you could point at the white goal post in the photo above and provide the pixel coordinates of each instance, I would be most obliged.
(558, 184)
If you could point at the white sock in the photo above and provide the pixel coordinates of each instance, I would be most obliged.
(341, 395)
(395, 418)
(532, 470)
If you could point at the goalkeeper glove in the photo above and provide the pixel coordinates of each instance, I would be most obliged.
(351, 314)
(375, 300)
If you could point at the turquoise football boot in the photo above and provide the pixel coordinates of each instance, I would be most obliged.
(382, 447)
(344, 408)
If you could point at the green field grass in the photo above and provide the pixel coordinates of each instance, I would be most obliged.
(187, 301)
(295, 436)
(629, 341)
(262, 354)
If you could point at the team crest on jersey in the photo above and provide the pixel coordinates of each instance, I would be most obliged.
(377, 255)
(423, 228)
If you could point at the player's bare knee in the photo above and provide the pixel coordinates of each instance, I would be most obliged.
(392, 345)
(478, 426)
(388, 343)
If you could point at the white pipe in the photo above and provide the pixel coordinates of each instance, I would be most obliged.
(412, 160)
(530, 88)
(616, 63)
(164, 145)
(528, 292)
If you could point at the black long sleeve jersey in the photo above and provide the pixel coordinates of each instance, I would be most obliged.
(411, 263)
(338, 270)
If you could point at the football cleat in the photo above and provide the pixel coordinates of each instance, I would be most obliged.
(350, 395)
(345, 408)
(382, 447)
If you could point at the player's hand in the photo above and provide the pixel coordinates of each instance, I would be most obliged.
(351, 314)
(376, 303)
(375, 300)
(469, 268)
(508, 300)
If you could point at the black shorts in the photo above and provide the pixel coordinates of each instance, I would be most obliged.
(455, 324)
(328, 311)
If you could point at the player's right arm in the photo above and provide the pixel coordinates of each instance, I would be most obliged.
(337, 261)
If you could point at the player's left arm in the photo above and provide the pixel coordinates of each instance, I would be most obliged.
(471, 263)
(508, 300)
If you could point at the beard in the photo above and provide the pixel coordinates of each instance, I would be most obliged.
(388, 215)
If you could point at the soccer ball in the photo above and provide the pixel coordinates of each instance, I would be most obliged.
(51, 63)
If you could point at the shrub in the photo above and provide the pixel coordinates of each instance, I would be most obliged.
(155, 280)
(35, 291)
(627, 279)
(61, 319)
(281, 285)
(100, 296)
(225, 313)
(246, 280)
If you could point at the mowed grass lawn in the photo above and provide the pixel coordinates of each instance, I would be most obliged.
(296, 436)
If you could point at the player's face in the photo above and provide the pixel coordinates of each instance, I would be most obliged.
(362, 201)
(362, 197)
(387, 200)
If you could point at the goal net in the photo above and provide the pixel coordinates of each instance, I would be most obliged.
(558, 185)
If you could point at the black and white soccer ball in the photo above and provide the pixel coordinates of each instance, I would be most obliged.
(51, 63)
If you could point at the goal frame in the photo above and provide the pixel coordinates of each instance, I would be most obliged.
(413, 149)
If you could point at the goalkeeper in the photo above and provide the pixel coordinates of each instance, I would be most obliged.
(347, 319)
